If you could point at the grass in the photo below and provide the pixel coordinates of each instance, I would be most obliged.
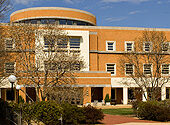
(121, 111)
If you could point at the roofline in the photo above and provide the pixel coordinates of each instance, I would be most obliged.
(51, 8)
(102, 27)
(116, 28)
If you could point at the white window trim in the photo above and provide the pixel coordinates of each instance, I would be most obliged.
(13, 45)
(126, 45)
(150, 46)
(114, 45)
(151, 68)
(125, 69)
(169, 69)
(114, 69)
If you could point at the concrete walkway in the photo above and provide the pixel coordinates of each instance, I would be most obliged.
(124, 120)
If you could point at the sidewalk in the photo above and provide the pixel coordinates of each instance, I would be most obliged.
(124, 120)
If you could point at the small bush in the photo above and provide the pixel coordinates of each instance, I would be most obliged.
(92, 114)
(154, 110)
(107, 98)
(3, 108)
(20, 99)
(47, 112)
(72, 114)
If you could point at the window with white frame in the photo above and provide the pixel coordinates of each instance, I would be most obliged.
(165, 69)
(111, 68)
(147, 69)
(129, 69)
(74, 42)
(165, 46)
(147, 46)
(129, 45)
(10, 67)
(110, 45)
(9, 44)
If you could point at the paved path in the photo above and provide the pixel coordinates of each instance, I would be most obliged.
(124, 120)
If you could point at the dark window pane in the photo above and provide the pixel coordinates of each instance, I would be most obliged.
(52, 21)
(33, 21)
(62, 22)
(70, 22)
(74, 42)
(44, 21)
(81, 23)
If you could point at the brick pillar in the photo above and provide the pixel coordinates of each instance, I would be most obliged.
(87, 95)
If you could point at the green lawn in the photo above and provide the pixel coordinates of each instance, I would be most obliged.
(122, 111)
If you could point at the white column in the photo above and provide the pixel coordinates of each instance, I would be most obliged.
(125, 95)
(144, 96)
(163, 93)
(0, 93)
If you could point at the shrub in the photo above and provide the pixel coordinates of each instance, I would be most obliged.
(135, 106)
(20, 99)
(154, 110)
(3, 107)
(92, 114)
(72, 114)
(47, 112)
(107, 98)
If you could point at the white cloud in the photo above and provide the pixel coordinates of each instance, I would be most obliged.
(131, 1)
(73, 1)
(134, 12)
(24, 2)
(113, 19)
(69, 1)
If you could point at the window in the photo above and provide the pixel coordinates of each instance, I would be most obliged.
(147, 46)
(69, 22)
(34, 21)
(9, 44)
(129, 45)
(62, 22)
(129, 69)
(48, 43)
(44, 21)
(111, 68)
(147, 68)
(110, 45)
(9, 67)
(165, 69)
(52, 21)
(62, 43)
(74, 42)
(165, 47)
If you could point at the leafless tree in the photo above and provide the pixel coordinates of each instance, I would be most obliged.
(147, 66)
(44, 59)
(5, 6)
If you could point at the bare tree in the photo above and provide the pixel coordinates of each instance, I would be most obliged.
(44, 59)
(5, 44)
(147, 66)
(5, 6)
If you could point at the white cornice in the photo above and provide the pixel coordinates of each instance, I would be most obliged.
(52, 8)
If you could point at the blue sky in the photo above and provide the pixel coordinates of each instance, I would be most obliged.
(123, 13)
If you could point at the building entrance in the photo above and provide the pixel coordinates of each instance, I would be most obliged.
(97, 94)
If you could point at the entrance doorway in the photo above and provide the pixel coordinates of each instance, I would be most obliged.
(97, 94)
